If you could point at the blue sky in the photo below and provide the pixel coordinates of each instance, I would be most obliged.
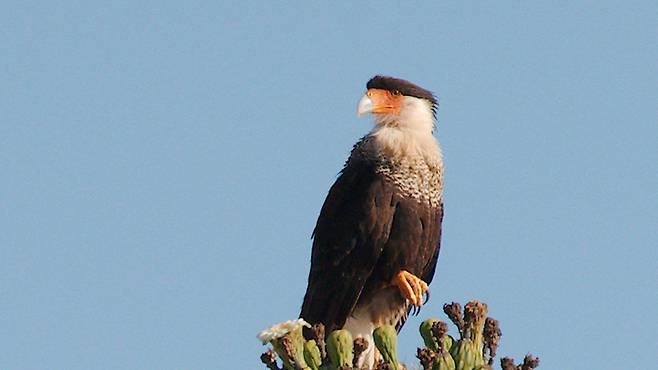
(163, 165)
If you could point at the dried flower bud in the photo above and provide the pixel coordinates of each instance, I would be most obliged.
(454, 312)
(426, 358)
(507, 363)
(530, 362)
(360, 345)
(492, 335)
(269, 359)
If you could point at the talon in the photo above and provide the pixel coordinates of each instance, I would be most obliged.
(411, 288)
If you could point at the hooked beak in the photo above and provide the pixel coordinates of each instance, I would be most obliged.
(365, 106)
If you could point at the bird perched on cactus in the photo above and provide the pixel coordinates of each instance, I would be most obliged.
(376, 241)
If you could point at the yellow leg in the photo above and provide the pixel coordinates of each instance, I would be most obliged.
(411, 287)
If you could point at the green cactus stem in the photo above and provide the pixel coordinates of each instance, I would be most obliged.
(444, 362)
(386, 338)
(312, 355)
(464, 353)
(340, 348)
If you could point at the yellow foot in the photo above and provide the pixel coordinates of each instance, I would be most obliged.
(411, 287)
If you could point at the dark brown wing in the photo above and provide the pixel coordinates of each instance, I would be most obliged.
(348, 240)
(433, 242)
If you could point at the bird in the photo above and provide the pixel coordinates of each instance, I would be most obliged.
(377, 238)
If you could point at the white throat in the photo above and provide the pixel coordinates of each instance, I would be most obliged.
(408, 134)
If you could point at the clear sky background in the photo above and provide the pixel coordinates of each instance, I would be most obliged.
(163, 165)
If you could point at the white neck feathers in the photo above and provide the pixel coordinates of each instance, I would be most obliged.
(408, 134)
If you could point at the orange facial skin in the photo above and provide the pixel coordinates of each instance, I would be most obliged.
(385, 102)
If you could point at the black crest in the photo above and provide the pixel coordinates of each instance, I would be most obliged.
(403, 86)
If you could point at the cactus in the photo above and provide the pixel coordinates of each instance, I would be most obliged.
(444, 360)
(479, 337)
(448, 341)
(287, 341)
(312, 355)
(340, 348)
(464, 354)
(468, 351)
(386, 338)
(290, 349)
(437, 341)
(443, 340)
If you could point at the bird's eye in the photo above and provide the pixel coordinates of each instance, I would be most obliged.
(369, 93)
(396, 92)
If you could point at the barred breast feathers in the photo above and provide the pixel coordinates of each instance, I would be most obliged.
(412, 161)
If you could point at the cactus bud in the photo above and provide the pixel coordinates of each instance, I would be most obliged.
(339, 348)
(454, 312)
(426, 357)
(439, 330)
(386, 338)
(312, 355)
(427, 334)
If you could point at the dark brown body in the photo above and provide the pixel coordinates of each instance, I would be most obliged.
(368, 231)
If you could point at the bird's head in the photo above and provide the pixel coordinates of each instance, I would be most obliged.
(398, 102)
